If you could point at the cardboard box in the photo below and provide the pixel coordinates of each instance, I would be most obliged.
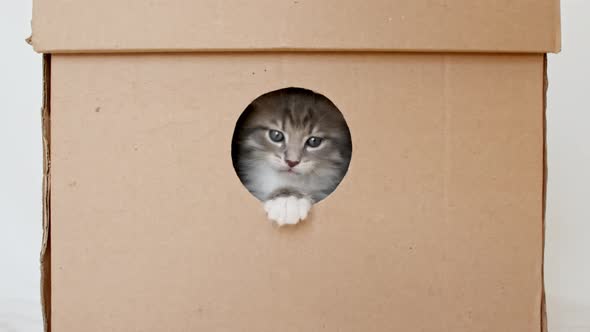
(437, 226)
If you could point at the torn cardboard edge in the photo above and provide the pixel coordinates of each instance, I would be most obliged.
(544, 199)
(45, 254)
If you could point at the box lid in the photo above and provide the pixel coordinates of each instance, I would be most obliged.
(530, 26)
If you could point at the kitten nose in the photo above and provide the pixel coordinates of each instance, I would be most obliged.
(292, 163)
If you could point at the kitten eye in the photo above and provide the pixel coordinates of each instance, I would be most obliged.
(276, 136)
(314, 142)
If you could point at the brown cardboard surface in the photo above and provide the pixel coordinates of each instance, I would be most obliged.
(436, 227)
(406, 25)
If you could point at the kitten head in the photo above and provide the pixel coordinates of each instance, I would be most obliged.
(296, 133)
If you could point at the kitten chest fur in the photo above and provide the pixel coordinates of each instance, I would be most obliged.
(266, 180)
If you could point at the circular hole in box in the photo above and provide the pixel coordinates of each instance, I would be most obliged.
(291, 139)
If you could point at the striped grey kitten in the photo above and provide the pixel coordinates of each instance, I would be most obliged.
(291, 148)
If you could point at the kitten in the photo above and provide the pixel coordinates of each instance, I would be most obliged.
(291, 148)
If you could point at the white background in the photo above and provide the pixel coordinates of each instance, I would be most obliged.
(568, 211)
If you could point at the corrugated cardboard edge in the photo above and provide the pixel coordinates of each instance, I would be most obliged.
(46, 244)
(544, 201)
(277, 49)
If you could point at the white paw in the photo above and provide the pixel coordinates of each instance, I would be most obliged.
(287, 210)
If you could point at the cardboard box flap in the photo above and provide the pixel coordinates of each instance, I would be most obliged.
(81, 26)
